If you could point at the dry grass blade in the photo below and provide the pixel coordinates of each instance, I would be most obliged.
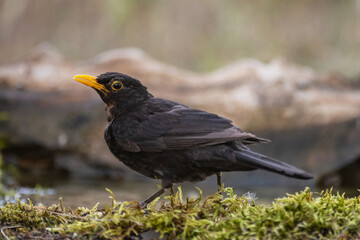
(9, 227)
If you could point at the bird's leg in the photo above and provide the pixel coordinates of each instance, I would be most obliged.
(218, 177)
(171, 191)
(165, 184)
(144, 203)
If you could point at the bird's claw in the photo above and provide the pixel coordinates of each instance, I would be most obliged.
(143, 204)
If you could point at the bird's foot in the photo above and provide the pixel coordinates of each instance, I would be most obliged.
(143, 204)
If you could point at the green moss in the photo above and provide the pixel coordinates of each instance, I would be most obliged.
(305, 215)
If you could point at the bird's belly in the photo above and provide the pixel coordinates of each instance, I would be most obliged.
(173, 165)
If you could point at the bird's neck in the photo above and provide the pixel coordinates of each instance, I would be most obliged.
(120, 109)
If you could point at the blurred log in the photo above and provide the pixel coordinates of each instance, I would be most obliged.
(310, 117)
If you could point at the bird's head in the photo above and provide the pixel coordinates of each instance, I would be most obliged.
(115, 88)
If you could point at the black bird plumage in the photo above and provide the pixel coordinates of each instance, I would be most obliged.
(169, 141)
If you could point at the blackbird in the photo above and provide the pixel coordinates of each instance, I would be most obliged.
(166, 140)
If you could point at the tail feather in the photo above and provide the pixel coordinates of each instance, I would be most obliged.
(257, 160)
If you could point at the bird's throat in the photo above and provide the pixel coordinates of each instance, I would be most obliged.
(112, 112)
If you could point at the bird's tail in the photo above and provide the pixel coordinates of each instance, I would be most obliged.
(257, 160)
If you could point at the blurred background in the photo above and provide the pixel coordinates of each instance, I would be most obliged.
(285, 71)
(195, 35)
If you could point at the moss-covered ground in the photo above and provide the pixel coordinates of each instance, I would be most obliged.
(305, 215)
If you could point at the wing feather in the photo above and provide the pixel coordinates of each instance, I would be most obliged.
(180, 127)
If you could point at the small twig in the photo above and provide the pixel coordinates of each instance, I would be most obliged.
(71, 216)
(3, 228)
(132, 227)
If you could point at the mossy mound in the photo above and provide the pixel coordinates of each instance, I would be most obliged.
(305, 215)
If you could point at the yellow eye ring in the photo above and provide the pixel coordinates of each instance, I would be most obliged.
(116, 86)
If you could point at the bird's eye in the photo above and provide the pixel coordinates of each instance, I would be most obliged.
(117, 86)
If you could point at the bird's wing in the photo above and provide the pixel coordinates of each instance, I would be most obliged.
(181, 128)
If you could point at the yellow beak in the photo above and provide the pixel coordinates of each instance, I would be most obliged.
(91, 82)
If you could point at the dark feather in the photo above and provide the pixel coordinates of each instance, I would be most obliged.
(180, 127)
(257, 160)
